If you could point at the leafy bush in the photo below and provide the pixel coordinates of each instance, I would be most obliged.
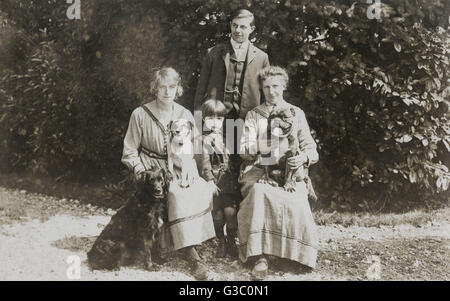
(375, 91)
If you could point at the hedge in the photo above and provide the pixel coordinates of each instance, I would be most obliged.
(375, 90)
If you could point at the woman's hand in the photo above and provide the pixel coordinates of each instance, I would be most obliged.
(297, 161)
(139, 177)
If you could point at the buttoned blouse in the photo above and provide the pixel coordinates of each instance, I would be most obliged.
(152, 135)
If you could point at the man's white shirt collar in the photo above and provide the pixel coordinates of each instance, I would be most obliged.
(240, 49)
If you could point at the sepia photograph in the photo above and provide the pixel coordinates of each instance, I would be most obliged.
(224, 141)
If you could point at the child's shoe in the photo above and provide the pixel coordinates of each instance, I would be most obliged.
(221, 248)
(231, 247)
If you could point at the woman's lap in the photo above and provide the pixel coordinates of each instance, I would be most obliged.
(190, 219)
(276, 222)
(189, 212)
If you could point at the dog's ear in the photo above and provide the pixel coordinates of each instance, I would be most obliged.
(146, 178)
(141, 180)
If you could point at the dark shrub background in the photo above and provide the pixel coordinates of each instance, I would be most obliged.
(375, 91)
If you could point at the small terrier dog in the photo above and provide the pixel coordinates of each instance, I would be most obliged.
(133, 230)
(180, 151)
(281, 124)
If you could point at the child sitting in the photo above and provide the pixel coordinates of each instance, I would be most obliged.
(216, 167)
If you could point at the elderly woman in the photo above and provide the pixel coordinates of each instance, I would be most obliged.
(271, 220)
(146, 144)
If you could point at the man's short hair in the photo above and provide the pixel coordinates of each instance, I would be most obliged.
(241, 14)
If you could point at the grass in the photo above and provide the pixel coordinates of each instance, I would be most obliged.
(92, 193)
(74, 243)
(14, 207)
(342, 257)
(416, 218)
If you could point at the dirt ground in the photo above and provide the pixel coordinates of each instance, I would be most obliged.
(38, 233)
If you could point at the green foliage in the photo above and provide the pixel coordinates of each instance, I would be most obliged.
(375, 91)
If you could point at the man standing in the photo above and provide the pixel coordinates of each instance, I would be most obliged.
(229, 74)
(229, 70)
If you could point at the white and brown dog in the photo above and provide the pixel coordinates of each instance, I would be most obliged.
(180, 152)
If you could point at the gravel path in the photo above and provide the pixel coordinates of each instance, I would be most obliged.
(39, 233)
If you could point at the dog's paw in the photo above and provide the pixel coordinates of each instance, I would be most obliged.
(272, 182)
(183, 182)
(184, 185)
(289, 187)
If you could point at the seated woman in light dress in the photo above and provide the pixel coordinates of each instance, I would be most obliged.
(145, 145)
(271, 220)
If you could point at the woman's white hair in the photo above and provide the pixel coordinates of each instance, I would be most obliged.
(271, 71)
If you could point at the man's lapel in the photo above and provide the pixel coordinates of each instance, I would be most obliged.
(228, 48)
(226, 55)
(251, 53)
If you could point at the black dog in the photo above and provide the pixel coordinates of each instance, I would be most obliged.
(133, 230)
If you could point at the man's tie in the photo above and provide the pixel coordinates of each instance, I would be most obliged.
(239, 51)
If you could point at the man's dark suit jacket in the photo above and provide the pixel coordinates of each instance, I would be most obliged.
(211, 83)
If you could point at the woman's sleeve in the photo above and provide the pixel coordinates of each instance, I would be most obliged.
(249, 146)
(131, 144)
(307, 143)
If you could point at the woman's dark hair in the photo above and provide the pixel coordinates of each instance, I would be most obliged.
(213, 108)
